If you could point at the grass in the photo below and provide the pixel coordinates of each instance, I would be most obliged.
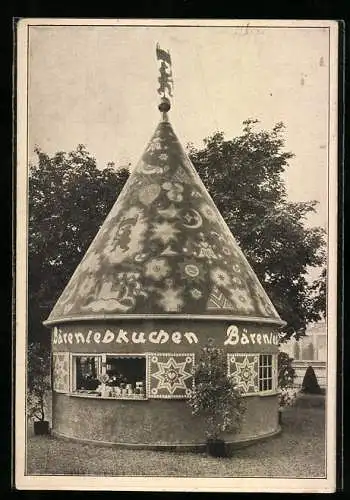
(298, 452)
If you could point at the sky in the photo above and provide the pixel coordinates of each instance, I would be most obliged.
(97, 86)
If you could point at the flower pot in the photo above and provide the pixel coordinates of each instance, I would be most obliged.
(41, 427)
(217, 448)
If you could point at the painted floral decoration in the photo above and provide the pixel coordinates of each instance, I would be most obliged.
(164, 226)
(174, 191)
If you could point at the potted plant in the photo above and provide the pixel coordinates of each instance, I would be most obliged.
(287, 397)
(217, 399)
(38, 384)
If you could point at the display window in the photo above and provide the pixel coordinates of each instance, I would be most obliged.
(126, 375)
(154, 375)
(109, 376)
(85, 372)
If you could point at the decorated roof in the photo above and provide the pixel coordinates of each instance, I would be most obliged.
(164, 249)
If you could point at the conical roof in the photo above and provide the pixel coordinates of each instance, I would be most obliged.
(164, 250)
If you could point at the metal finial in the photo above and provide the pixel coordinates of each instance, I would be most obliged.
(165, 80)
(164, 105)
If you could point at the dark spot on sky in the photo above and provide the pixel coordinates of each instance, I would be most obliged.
(302, 80)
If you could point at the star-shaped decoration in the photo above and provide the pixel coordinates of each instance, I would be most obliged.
(157, 269)
(171, 375)
(245, 373)
(220, 277)
(242, 300)
(171, 299)
(165, 232)
(163, 156)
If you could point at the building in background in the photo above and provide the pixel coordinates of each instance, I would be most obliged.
(309, 350)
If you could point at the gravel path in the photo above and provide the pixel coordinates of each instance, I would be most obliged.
(298, 452)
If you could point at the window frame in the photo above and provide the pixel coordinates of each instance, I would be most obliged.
(73, 368)
(273, 377)
(101, 369)
(127, 355)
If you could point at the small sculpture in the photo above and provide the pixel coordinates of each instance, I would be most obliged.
(165, 79)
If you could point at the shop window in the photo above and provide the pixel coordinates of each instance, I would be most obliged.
(126, 375)
(86, 370)
(266, 382)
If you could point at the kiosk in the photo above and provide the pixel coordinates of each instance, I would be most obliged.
(163, 277)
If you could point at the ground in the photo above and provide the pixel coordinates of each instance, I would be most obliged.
(299, 451)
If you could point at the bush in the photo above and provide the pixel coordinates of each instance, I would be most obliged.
(310, 384)
(287, 397)
(215, 396)
(39, 383)
(286, 372)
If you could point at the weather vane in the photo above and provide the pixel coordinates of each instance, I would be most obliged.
(165, 79)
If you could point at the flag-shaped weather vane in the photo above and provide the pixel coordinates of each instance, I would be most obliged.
(165, 79)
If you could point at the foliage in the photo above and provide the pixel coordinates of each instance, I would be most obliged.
(215, 395)
(244, 176)
(39, 380)
(318, 291)
(287, 396)
(286, 372)
(310, 384)
(69, 198)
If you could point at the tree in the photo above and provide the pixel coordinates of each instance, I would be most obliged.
(69, 198)
(244, 176)
(286, 372)
(318, 292)
(310, 384)
(215, 396)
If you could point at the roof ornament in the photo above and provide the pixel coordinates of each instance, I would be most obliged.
(165, 80)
